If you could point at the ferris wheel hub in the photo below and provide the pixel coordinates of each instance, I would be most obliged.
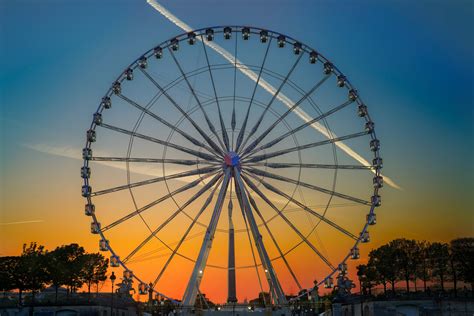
(231, 159)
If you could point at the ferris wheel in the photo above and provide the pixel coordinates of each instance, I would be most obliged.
(229, 160)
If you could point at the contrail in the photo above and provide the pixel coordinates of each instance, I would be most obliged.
(23, 222)
(267, 87)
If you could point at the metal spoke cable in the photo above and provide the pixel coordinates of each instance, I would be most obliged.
(186, 115)
(255, 207)
(161, 142)
(306, 208)
(274, 96)
(292, 226)
(241, 135)
(233, 119)
(239, 199)
(165, 122)
(155, 202)
(183, 238)
(209, 123)
(184, 162)
(307, 185)
(157, 179)
(280, 165)
(282, 117)
(302, 147)
(172, 216)
(225, 136)
(293, 131)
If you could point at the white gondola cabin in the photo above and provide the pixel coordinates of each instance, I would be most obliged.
(281, 41)
(95, 227)
(85, 172)
(371, 219)
(245, 33)
(227, 32)
(378, 182)
(158, 52)
(376, 200)
(355, 254)
(103, 245)
(117, 87)
(129, 74)
(341, 81)
(313, 57)
(89, 209)
(328, 283)
(263, 36)
(142, 62)
(106, 103)
(91, 135)
(142, 289)
(191, 38)
(114, 261)
(86, 190)
(365, 237)
(209, 34)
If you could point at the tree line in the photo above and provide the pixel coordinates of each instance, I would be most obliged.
(36, 268)
(409, 261)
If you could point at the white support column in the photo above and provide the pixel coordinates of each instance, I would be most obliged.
(270, 273)
(189, 297)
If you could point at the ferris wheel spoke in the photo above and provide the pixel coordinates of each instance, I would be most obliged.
(172, 216)
(302, 147)
(155, 202)
(184, 162)
(277, 92)
(233, 121)
(190, 294)
(307, 185)
(281, 165)
(211, 143)
(225, 136)
(165, 122)
(303, 206)
(193, 92)
(282, 255)
(186, 233)
(161, 142)
(156, 180)
(293, 131)
(254, 258)
(287, 221)
(298, 103)
(241, 135)
(257, 237)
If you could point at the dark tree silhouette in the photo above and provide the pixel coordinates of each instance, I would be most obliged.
(462, 259)
(439, 257)
(94, 269)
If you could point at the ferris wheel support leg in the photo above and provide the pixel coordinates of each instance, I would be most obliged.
(270, 273)
(189, 297)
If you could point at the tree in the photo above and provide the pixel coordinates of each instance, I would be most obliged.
(8, 266)
(66, 264)
(462, 254)
(423, 267)
(31, 271)
(94, 269)
(382, 260)
(439, 257)
(405, 252)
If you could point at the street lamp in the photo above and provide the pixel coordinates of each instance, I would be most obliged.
(112, 278)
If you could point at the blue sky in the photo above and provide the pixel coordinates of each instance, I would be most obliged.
(411, 61)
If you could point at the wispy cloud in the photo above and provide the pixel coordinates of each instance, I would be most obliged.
(267, 87)
(23, 222)
(76, 153)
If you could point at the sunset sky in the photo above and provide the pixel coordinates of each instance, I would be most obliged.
(411, 61)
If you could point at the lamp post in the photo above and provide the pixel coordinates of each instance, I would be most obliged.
(112, 278)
